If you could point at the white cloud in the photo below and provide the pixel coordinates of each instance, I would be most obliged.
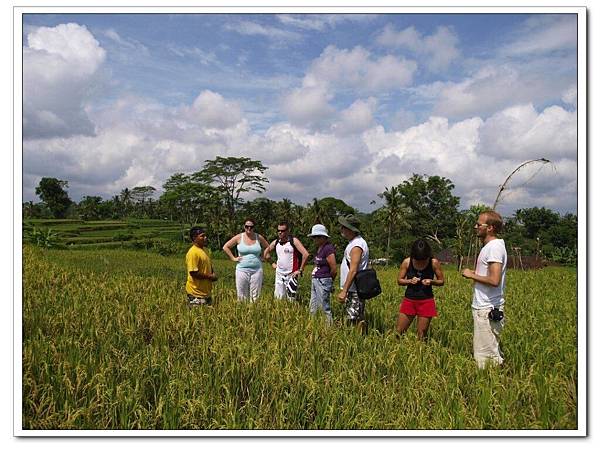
(321, 152)
(282, 143)
(92, 160)
(321, 22)
(357, 69)
(73, 46)
(520, 132)
(127, 43)
(59, 65)
(438, 50)
(357, 118)
(491, 88)
(478, 155)
(475, 154)
(249, 28)
(543, 34)
(211, 110)
(326, 158)
(337, 70)
(308, 106)
(205, 57)
(569, 96)
(403, 119)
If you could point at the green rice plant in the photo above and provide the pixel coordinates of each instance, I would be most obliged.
(109, 343)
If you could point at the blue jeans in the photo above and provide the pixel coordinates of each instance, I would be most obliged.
(320, 293)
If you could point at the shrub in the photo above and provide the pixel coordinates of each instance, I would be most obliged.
(564, 255)
(122, 237)
(41, 237)
(165, 248)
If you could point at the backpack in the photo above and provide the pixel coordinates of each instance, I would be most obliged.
(366, 282)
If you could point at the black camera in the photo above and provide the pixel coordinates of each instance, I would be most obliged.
(496, 315)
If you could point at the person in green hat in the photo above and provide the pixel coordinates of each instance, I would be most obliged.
(356, 257)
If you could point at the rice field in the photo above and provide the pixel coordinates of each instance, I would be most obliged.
(109, 343)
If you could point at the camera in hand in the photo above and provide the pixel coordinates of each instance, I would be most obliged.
(496, 315)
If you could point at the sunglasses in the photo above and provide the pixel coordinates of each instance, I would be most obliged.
(249, 226)
(282, 231)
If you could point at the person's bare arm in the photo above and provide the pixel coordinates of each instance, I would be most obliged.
(229, 245)
(332, 265)
(491, 279)
(402, 280)
(304, 254)
(355, 255)
(439, 275)
(263, 244)
(268, 250)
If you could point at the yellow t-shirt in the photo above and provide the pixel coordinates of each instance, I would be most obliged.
(196, 260)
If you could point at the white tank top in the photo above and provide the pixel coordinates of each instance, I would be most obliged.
(358, 241)
(285, 258)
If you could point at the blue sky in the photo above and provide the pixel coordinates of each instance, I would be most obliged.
(340, 105)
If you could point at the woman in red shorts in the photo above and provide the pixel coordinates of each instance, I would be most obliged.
(418, 273)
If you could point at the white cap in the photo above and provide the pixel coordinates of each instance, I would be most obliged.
(318, 230)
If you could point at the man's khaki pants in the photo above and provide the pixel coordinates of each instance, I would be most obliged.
(486, 338)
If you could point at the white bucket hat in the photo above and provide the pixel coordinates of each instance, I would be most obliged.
(318, 230)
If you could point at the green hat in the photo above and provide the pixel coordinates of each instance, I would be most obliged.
(350, 221)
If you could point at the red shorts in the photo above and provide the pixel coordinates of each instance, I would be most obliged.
(421, 308)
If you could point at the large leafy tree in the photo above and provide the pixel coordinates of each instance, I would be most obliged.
(536, 219)
(433, 207)
(233, 176)
(141, 196)
(564, 233)
(90, 207)
(189, 202)
(54, 195)
(546, 228)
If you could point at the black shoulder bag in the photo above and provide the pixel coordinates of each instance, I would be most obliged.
(366, 282)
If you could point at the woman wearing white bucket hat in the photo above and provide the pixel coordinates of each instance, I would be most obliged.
(324, 272)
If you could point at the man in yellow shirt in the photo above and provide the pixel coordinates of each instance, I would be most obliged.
(200, 273)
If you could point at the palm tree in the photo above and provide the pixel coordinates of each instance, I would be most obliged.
(316, 212)
(126, 200)
(394, 212)
(285, 209)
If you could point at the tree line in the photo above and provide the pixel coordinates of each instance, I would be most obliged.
(422, 206)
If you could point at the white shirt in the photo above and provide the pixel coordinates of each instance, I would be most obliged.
(358, 241)
(484, 295)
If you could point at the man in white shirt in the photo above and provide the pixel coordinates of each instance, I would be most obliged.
(291, 259)
(488, 290)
